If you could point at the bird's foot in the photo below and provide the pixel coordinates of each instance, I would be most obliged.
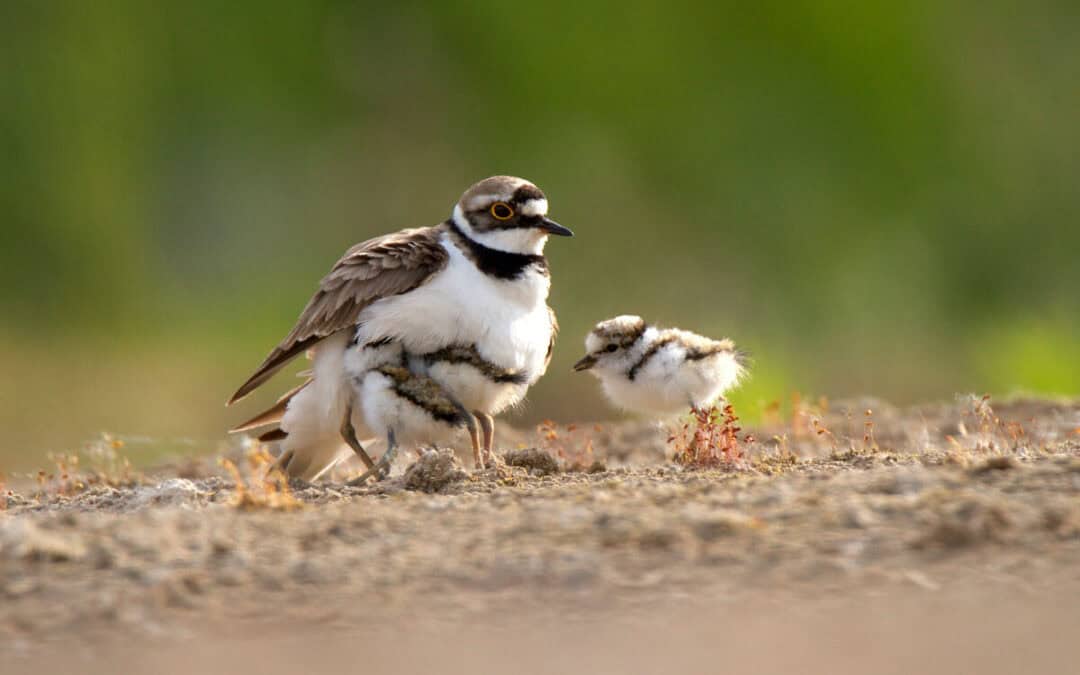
(380, 470)
(492, 460)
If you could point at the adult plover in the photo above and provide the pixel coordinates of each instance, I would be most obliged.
(659, 371)
(477, 282)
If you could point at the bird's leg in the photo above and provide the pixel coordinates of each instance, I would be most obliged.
(349, 434)
(281, 464)
(391, 452)
(381, 469)
(474, 433)
(487, 425)
(474, 437)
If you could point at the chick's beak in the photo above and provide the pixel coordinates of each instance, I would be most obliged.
(551, 227)
(586, 362)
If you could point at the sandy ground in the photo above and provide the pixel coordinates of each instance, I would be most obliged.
(941, 538)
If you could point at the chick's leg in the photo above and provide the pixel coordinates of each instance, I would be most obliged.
(487, 426)
(348, 432)
(381, 469)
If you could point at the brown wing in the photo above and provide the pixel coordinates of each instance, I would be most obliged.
(377, 268)
(554, 333)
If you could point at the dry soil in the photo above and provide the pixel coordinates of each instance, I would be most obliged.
(939, 538)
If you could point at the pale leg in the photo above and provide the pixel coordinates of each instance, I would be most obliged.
(487, 425)
(474, 436)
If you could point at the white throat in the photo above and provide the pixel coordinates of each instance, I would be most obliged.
(520, 240)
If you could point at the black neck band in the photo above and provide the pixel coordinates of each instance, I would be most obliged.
(496, 263)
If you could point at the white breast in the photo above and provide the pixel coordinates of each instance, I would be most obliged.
(383, 409)
(669, 384)
(475, 391)
(507, 320)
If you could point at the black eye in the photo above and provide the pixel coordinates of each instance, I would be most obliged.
(611, 348)
(502, 211)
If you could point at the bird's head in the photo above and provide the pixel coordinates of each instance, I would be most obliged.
(507, 214)
(614, 344)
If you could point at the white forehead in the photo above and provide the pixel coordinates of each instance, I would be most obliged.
(535, 207)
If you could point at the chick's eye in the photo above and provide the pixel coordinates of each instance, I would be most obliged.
(502, 211)
(610, 348)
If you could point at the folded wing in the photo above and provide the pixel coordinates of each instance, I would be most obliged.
(378, 268)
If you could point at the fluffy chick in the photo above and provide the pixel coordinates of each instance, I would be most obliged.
(659, 371)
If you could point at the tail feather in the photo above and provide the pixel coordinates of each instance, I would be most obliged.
(273, 415)
(275, 434)
(313, 416)
(308, 418)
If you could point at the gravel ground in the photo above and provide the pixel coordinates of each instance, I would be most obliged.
(884, 530)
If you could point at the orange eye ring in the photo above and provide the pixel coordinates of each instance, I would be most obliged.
(502, 211)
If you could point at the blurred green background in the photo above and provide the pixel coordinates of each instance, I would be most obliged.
(871, 197)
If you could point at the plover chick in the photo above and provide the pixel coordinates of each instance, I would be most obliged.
(478, 280)
(407, 408)
(486, 385)
(659, 371)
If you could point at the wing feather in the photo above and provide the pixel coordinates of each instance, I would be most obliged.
(388, 265)
(554, 334)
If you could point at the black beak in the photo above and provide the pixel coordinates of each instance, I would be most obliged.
(586, 362)
(551, 227)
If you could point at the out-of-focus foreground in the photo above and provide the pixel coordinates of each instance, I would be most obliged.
(897, 540)
(871, 198)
